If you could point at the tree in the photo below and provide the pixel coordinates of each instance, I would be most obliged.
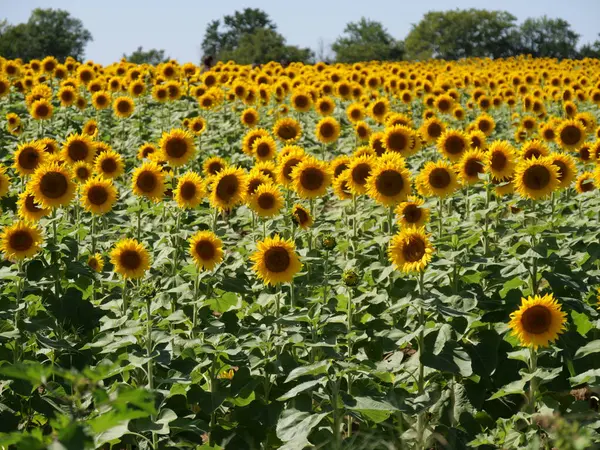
(366, 40)
(152, 56)
(48, 32)
(590, 50)
(544, 37)
(249, 37)
(461, 34)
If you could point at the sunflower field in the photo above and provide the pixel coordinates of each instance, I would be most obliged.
(371, 256)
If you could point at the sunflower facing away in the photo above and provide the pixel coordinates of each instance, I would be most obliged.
(21, 240)
(206, 249)
(228, 188)
(536, 178)
(267, 200)
(538, 321)
(412, 213)
(311, 178)
(177, 147)
(98, 195)
(149, 181)
(189, 191)
(130, 258)
(302, 217)
(28, 157)
(275, 260)
(52, 186)
(389, 182)
(410, 250)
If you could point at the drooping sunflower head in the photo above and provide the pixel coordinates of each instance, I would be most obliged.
(389, 182)
(412, 213)
(264, 148)
(437, 179)
(28, 157)
(453, 144)
(302, 217)
(287, 130)
(538, 321)
(327, 130)
(228, 188)
(501, 160)
(52, 185)
(266, 201)
(275, 260)
(570, 135)
(123, 107)
(96, 262)
(177, 147)
(206, 249)
(471, 166)
(189, 191)
(410, 250)
(98, 195)
(567, 171)
(20, 240)
(130, 259)
(149, 181)
(78, 147)
(311, 178)
(536, 178)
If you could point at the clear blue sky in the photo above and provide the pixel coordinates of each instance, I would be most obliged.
(178, 25)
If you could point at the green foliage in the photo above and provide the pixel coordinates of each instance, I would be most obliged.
(549, 38)
(48, 32)
(366, 40)
(152, 56)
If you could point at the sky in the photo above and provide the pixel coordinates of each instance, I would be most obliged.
(178, 26)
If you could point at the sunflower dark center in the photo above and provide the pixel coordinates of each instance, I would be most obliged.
(288, 167)
(205, 250)
(277, 259)
(537, 319)
(413, 249)
(249, 118)
(108, 165)
(455, 145)
(93, 263)
(532, 153)
(586, 185)
(123, 107)
(31, 205)
(378, 147)
(101, 100)
(78, 150)
(67, 96)
(312, 178)
(263, 150)
(301, 216)
(301, 101)
(339, 169)
(570, 135)
(397, 141)
(176, 147)
(53, 185)
(188, 190)
(434, 130)
(42, 110)
(146, 181)
(389, 183)
(29, 158)
(562, 169)
(227, 187)
(475, 142)
(362, 131)
(439, 178)
(379, 109)
(443, 105)
(412, 213)
(327, 130)
(266, 201)
(499, 160)
(97, 195)
(355, 114)
(473, 167)
(360, 173)
(130, 259)
(484, 125)
(287, 132)
(21, 240)
(536, 177)
(82, 173)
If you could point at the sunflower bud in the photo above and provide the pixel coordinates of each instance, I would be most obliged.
(328, 242)
(350, 278)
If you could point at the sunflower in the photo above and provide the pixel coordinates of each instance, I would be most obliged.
(585, 183)
(534, 149)
(432, 129)
(251, 137)
(41, 109)
(98, 195)
(570, 135)
(287, 130)
(149, 181)
(90, 128)
(249, 117)
(228, 188)
(28, 157)
(311, 178)
(471, 165)
(453, 144)
(189, 191)
(437, 179)
(266, 168)
(146, 151)
(412, 213)
(538, 321)
(501, 160)
(410, 250)
(536, 178)
(109, 164)
(302, 217)
(78, 147)
(399, 139)
(96, 262)
(13, 120)
(301, 101)
(359, 170)
(376, 143)
(123, 107)
(339, 165)
(275, 260)
(52, 186)
(4, 181)
(266, 201)
(130, 258)
(67, 95)
(389, 182)
(327, 130)
(197, 125)
(287, 164)
(547, 132)
(21, 240)
(264, 148)
(177, 147)
(214, 165)
(82, 171)
(362, 130)
(341, 187)
(206, 249)
(28, 209)
(325, 106)
(566, 168)
(379, 109)
(355, 112)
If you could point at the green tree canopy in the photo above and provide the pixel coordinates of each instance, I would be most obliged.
(459, 33)
(590, 50)
(366, 40)
(248, 37)
(152, 56)
(48, 32)
(544, 37)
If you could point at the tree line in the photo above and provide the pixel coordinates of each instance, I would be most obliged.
(251, 37)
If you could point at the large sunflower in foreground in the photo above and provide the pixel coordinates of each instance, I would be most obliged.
(437, 179)
(206, 249)
(130, 258)
(79, 147)
(389, 183)
(275, 260)
(412, 213)
(410, 250)
(311, 178)
(20, 240)
(98, 195)
(228, 188)
(538, 321)
(52, 186)
(536, 178)
(149, 181)
(177, 147)
(189, 191)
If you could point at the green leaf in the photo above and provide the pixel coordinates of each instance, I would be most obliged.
(444, 335)
(294, 425)
(588, 349)
(318, 368)
(226, 302)
(516, 387)
(299, 388)
(374, 410)
(582, 322)
(589, 376)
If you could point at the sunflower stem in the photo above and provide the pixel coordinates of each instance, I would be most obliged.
(486, 238)
(440, 217)
(391, 220)
(149, 356)
(196, 292)
(354, 231)
(93, 234)
(55, 261)
(19, 295)
(264, 229)
(139, 222)
(533, 381)
(292, 295)
(467, 202)
(326, 277)
(349, 338)
(125, 297)
(421, 343)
